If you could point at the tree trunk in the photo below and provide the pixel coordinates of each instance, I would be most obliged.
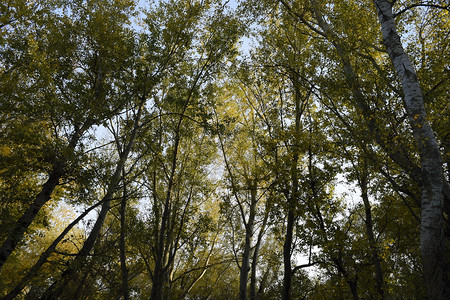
(292, 200)
(352, 282)
(253, 294)
(379, 278)
(432, 241)
(57, 288)
(123, 264)
(205, 267)
(162, 235)
(245, 265)
(79, 291)
(287, 278)
(44, 256)
(17, 233)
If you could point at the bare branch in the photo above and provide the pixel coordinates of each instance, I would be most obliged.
(445, 7)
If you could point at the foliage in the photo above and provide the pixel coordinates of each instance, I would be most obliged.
(215, 168)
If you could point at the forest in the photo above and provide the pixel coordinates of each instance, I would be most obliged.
(212, 149)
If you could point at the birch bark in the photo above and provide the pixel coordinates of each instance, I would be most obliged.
(432, 240)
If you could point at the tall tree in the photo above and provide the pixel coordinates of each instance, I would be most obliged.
(435, 186)
(72, 73)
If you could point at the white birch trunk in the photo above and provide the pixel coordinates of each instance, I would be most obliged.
(432, 241)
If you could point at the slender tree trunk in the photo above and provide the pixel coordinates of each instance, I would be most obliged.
(79, 291)
(123, 264)
(21, 226)
(57, 288)
(287, 279)
(164, 234)
(16, 235)
(44, 256)
(379, 278)
(292, 200)
(205, 267)
(159, 270)
(245, 265)
(354, 289)
(352, 283)
(253, 294)
(432, 240)
(262, 285)
(157, 281)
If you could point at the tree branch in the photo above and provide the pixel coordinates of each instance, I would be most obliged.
(445, 7)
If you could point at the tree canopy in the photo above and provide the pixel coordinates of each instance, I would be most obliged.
(209, 149)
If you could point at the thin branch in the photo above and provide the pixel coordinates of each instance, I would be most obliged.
(445, 7)
(305, 266)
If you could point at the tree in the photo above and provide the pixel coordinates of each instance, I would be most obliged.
(188, 169)
(249, 183)
(435, 186)
(68, 81)
(331, 28)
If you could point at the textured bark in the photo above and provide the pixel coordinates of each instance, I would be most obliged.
(431, 178)
(432, 241)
